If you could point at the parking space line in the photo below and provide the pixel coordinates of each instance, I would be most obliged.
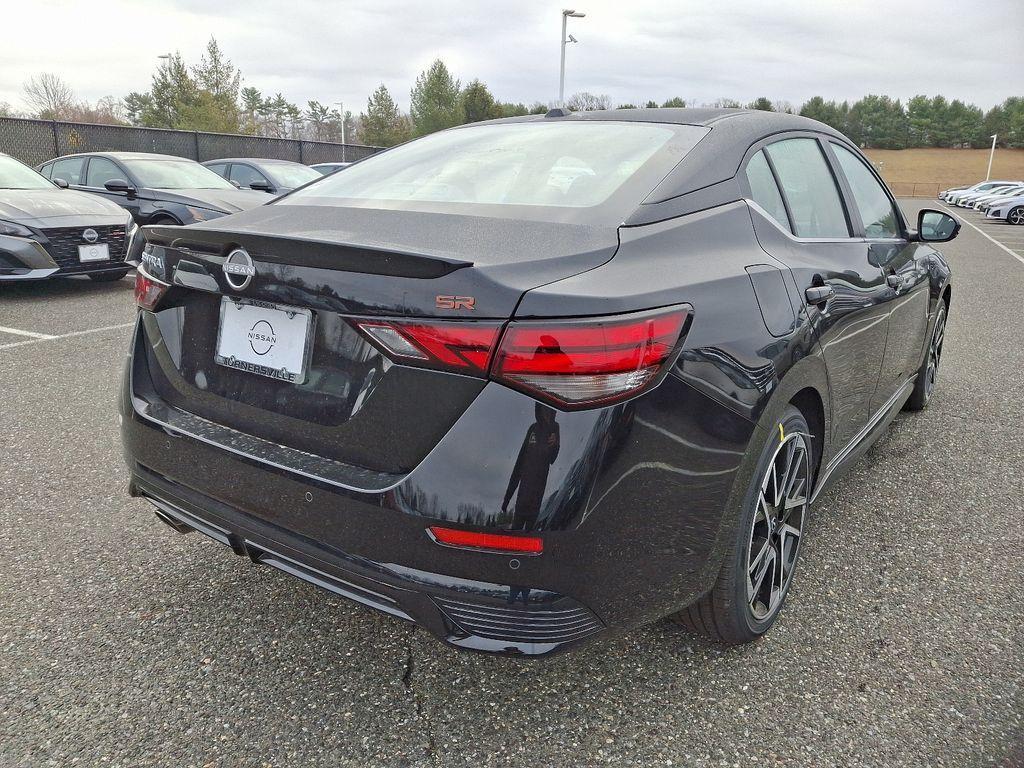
(981, 232)
(19, 332)
(43, 338)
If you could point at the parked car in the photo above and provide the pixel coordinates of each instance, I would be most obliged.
(525, 413)
(983, 186)
(982, 203)
(1010, 210)
(155, 189)
(967, 199)
(48, 230)
(326, 169)
(274, 176)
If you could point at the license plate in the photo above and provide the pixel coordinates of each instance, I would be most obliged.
(95, 252)
(265, 339)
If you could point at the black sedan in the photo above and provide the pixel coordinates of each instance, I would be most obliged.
(537, 380)
(274, 176)
(47, 230)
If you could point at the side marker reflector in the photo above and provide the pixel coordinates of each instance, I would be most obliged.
(490, 542)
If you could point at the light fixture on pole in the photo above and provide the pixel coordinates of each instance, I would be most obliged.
(991, 154)
(341, 109)
(566, 13)
(165, 56)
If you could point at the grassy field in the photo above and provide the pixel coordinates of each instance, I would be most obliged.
(925, 171)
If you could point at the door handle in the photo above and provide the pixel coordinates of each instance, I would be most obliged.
(819, 294)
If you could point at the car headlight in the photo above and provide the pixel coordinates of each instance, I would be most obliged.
(11, 229)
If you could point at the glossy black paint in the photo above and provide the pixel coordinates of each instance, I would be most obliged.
(635, 502)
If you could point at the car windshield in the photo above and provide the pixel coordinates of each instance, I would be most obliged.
(15, 175)
(291, 176)
(174, 174)
(530, 169)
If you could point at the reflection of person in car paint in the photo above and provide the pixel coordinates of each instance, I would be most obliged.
(530, 474)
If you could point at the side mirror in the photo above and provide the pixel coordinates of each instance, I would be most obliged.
(261, 186)
(936, 226)
(61, 183)
(120, 185)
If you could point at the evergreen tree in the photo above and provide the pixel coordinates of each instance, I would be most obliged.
(763, 103)
(675, 101)
(478, 104)
(382, 124)
(434, 100)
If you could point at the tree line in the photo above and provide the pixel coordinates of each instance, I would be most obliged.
(208, 96)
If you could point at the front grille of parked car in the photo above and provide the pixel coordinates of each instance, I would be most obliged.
(63, 247)
(522, 624)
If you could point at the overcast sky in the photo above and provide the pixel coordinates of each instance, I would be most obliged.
(633, 51)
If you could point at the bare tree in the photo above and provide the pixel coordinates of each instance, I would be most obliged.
(48, 96)
(584, 101)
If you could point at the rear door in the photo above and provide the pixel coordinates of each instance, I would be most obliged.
(904, 264)
(807, 227)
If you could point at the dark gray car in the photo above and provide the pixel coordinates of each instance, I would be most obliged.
(48, 230)
(273, 176)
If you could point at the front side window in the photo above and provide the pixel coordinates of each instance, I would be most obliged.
(810, 190)
(219, 168)
(246, 175)
(530, 169)
(101, 170)
(764, 190)
(876, 210)
(69, 169)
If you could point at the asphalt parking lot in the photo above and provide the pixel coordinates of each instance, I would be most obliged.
(124, 644)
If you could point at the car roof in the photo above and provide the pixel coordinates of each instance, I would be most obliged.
(254, 160)
(125, 156)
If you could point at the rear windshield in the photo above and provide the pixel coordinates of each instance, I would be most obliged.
(538, 169)
(15, 175)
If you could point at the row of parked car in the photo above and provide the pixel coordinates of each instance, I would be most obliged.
(79, 214)
(1003, 200)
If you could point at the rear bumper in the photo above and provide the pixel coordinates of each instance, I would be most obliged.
(631, 512)
(463, 613)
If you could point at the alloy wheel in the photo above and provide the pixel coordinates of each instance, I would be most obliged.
(935, 354)
(1016, 216)
(778, 526)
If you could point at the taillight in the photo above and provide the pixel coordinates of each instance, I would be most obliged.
(462, 347)
(148, 290)
(570, 363)
(487, 542)
(591, 361)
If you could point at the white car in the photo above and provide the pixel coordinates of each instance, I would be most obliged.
(979, 203)
(981, 186)
(966, 199)
(1010, 210)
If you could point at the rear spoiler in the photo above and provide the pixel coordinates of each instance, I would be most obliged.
(344, 257)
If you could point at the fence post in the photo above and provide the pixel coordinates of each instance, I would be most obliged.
(56, 143)
(302, 158)
(196, 135)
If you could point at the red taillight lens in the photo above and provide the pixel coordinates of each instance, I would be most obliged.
(463, 347)
(492, 542)
(581, 363)
(148, 290)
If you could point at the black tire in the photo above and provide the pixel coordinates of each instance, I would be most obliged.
(1016, 215)
(109, 277)
(728, 613)
(929, 370)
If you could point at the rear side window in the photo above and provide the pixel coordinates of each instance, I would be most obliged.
(70, 170)
(810, 190)
(102, 170)
(764, 190)
(876, 210)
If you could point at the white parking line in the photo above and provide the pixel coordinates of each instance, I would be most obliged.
(41, 338)
(19, 332)
(981, 232)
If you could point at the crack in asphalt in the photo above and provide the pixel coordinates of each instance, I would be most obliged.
(421, 714)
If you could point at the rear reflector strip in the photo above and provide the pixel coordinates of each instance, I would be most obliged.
(490, 542)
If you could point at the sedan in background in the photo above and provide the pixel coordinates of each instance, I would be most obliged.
(538, 380)
(48, 230)
(155, 189)
(1010, 210)
(326, 169)
(985, 201)
(982, 187)
(274, 176)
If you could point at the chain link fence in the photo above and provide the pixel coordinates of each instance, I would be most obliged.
(36, 141)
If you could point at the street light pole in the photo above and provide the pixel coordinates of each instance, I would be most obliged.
(566, 13)
(991, 154)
